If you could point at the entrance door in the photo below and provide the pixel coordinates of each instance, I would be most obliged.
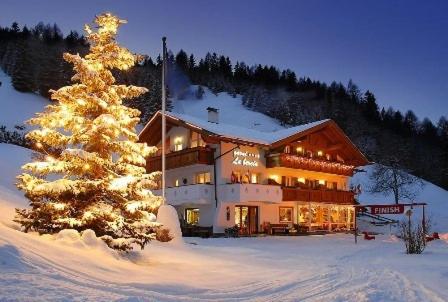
(246, 217)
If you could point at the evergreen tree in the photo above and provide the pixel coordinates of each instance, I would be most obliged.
(410, 122)
(22, 74)
(93, 176)
(370, 107)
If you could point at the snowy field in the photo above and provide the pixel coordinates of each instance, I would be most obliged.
(70, 267)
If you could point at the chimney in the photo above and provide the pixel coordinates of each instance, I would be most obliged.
(213, 115)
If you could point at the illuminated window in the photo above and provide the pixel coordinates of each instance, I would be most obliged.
(320, 153)
(299, 150)
(301, 180)
(289, 181)
(253, 178)
(196, 140)
(192, 216)
(178, 144)
(287, 149)
(176, 183)
(203, 178)
(285, 214)
(321, 182)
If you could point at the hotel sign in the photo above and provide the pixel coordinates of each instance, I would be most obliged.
(387, 209)
(244, 158)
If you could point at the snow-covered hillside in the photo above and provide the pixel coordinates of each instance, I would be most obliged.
(17, 107)
(231, 111)
(434, 196)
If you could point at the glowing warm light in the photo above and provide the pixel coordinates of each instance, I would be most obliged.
(321, 182)
(115, 163)
(320, 153)
(274, 177)
(299, 149)
(301, 180)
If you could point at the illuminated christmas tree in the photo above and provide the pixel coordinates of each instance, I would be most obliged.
(90, 172)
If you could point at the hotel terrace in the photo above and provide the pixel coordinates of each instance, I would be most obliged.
(220, 175)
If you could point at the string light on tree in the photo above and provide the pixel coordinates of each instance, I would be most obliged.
(98, 178)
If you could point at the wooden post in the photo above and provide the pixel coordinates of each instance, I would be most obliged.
(355, 226)
(424, 221)
(309, 216)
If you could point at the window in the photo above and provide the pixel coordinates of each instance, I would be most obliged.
(254, 178)
(196, 140)
(178, 144)
(192, 216)
(287, 149)
(176, 183)
(203, 178)
(285, 214)
(289, 181)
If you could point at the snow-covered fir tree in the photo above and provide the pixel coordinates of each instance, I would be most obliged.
(90, 173)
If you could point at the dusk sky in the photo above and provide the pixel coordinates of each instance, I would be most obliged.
(397, 49)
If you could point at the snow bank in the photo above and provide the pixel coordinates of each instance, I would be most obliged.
(167, 216)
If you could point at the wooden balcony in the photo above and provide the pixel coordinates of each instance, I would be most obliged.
(177, 159)
(325, 196)
(305, 163)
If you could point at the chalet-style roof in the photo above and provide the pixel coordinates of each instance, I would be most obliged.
(236, 134)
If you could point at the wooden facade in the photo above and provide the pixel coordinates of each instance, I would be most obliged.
(183, 158)
(324, 196)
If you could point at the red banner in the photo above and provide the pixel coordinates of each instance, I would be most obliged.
(387, 209)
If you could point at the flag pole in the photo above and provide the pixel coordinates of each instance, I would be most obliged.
(163, 117)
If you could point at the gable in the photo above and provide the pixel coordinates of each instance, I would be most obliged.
(328, 138)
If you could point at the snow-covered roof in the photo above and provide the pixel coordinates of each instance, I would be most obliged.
(241, 133)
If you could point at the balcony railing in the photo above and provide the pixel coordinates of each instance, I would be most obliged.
(305, 163)
(326, 196)
(191, 194)
(249, 192)
(177, 159)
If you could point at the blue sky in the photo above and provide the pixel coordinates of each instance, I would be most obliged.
(397, 49)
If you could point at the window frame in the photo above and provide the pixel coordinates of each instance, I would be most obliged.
(193, 210)
(285, 208)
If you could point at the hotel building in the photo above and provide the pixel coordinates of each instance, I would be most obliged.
(220, 175)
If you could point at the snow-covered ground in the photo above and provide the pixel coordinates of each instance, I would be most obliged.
(70, 267)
